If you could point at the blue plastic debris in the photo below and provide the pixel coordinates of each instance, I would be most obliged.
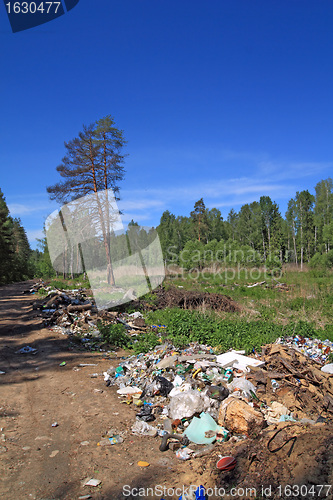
(200, 494)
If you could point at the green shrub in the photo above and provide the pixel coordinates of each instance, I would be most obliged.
(146, 342)
(114, 334)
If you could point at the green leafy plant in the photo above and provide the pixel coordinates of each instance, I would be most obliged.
(114, 334)
(146, 342)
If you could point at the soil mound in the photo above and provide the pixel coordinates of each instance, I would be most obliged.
(188, 299)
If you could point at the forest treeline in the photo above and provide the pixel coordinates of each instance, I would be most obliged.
(256, 234)
(17, 261)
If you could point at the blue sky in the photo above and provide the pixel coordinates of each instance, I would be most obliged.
(227, 100)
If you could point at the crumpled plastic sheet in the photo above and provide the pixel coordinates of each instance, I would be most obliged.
(188, 403)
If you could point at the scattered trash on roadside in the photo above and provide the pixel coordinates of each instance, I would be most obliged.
(143, 464)
(226, 463)
(27, 350)
(195, 400)
(92, 482)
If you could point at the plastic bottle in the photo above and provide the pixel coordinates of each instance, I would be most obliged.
(111, 440)
(228, 375)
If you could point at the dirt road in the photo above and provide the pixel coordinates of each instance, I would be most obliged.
(39, 461)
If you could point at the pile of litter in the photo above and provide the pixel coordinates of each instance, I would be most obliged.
(73, 312)
(316, 349)
(196, 400)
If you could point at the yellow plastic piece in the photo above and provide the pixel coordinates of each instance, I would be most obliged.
(196, 373)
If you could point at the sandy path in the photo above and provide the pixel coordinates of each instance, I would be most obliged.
(38, 461)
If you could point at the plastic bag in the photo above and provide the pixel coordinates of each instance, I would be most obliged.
(327, 368)
(164, 385)
(243, 385)
(160, 385)
(196, 431)
(219, 392)
(142, 428)
(145, 414)
(182, 454)
(187, 404)
(180, 389)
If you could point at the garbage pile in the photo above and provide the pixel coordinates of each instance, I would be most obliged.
(316, 349)
(195, 399)
(73, 312)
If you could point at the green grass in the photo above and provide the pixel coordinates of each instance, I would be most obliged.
(310, 295)
(184, 326)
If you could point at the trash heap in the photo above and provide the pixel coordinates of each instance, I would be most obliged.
(73, 312)
(195, 399)
(316, 349)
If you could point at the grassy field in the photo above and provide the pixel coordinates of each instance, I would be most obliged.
(303, 306)
(308, 295)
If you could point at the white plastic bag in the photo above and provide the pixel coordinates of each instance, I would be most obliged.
(243, 385)
(188, 403)
(143, 429)
(327, 368)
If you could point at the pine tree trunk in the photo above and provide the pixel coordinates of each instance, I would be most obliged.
(109, 270)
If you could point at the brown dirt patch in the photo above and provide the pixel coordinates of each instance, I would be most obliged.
(189, 299)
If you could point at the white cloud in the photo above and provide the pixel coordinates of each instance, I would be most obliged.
(19, 209)
(138, 204)
(265, 178)
(35, 234)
